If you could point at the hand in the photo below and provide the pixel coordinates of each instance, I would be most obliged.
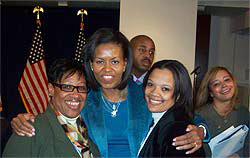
(21, 126)
(191, 140)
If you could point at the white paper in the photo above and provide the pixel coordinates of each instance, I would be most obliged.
(229, 141)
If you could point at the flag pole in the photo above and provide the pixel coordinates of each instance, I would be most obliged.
(81, 41)
(33, 86)
(82, 12)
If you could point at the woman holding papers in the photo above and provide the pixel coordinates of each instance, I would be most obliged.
(217, 103)
(168, 92)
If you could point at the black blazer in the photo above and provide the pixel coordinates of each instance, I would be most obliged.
(159, 143)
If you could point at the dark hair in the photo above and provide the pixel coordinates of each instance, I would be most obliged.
(63, 66)
(135, 39)
(182, 81)
(104, 36)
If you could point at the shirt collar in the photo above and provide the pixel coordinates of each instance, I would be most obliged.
(157, 116)
(140, 78)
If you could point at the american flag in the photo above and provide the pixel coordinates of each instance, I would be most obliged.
(33, 86)
(81, 41)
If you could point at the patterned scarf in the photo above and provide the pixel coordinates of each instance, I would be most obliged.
(78, 137)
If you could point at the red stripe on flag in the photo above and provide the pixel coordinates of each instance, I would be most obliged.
(34, 88)
(41, 65)
(31, 102)
(34, 84)
(26, 103)
(39, 86)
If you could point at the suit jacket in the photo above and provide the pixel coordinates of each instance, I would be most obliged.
(159, 143)
(50, 140)
(139, 119)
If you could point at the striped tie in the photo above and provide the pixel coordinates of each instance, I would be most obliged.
(138, 82)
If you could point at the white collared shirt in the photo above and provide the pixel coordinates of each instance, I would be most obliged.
(140, 78)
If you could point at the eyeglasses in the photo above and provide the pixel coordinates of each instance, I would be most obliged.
(70, 88)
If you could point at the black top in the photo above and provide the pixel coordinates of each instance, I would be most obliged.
(159, 143)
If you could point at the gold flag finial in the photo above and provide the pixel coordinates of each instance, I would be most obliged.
(37, 10)
(82, 12)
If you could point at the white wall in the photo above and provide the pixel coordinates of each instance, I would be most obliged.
(229, 49)
(221, 43)
(170, 23)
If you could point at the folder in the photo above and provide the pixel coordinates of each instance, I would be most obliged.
(229, 141)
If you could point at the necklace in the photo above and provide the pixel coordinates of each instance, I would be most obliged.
(112, 108)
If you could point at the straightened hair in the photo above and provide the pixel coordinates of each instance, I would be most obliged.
(182, 81)
(105, 36)
(203, 96)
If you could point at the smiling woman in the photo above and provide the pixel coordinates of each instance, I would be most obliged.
(66, 99)
(115, 114)
(117, 121)
(217, 102)
(159, 92)
(168, 92)
(108, 57)
(60, 131)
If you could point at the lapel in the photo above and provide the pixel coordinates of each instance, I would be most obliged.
(138, 115)
(94, 120)
(149, 149)
(139, 118)
(60, 137)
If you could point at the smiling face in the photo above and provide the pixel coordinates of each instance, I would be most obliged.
(69, 104)
(222, 87)
(159, 91)
(108, 65)
(144, 49)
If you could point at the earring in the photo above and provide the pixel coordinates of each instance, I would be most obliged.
(124, 69)
(91, 66)
(177, 97)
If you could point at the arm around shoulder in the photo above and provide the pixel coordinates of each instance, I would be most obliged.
(177, 129)
(199, 121)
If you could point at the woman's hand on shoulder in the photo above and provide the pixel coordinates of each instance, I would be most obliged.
(191, 140)
(21, 126)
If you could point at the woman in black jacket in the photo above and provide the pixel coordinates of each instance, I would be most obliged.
(168, 92)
